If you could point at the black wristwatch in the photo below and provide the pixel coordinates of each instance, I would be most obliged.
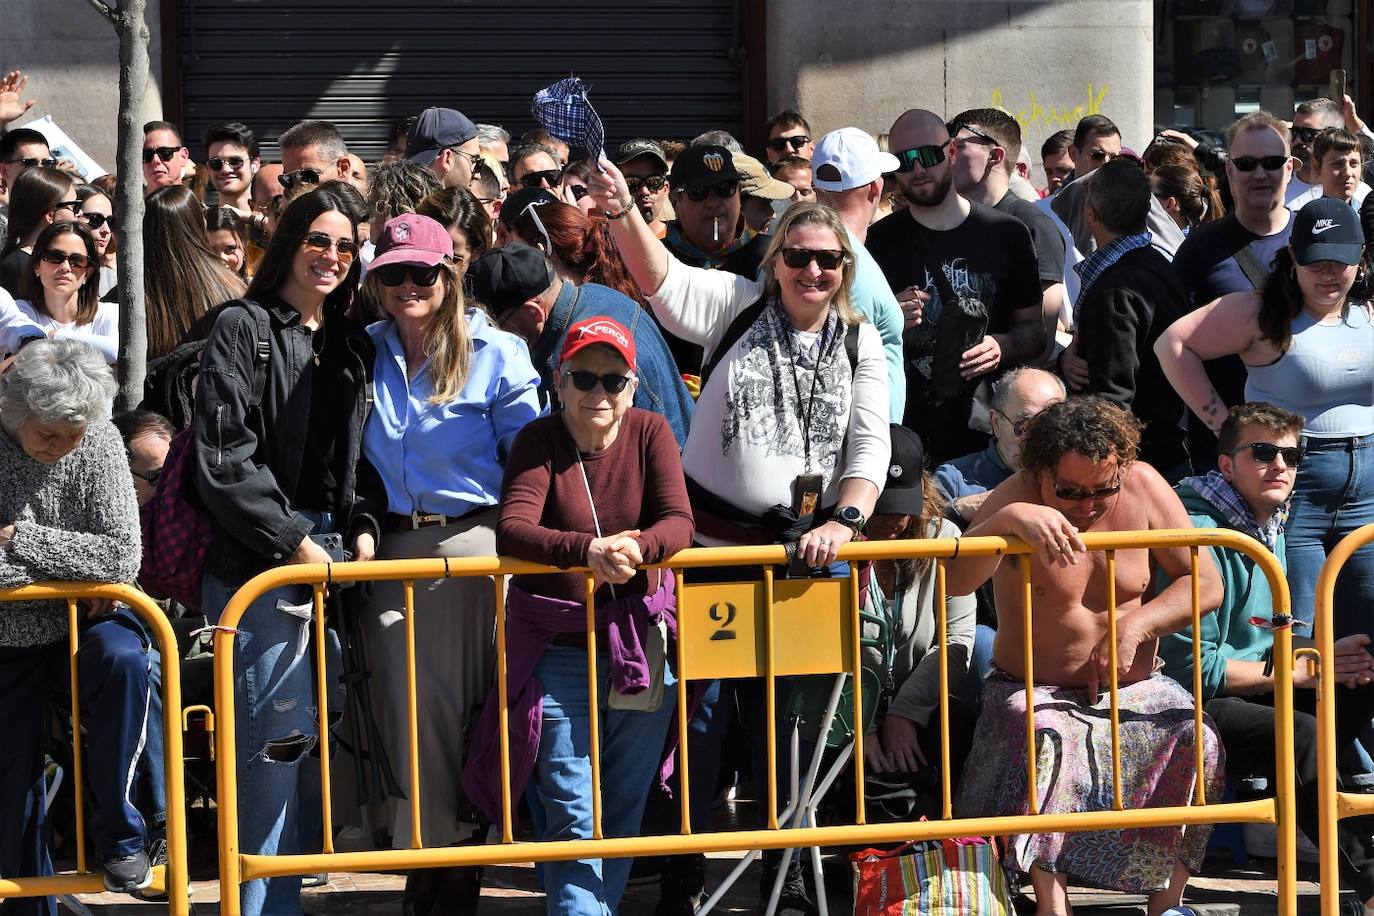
(851, 517)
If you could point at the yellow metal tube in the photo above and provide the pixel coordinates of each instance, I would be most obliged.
(78, 758)
(942, 624)
(1028, 659)
(1113, 681)
(322, 692)
(684, 791)
(503, 709)
(1201, 786)
(856, 627)
(412, 717)
(593, 704)
(771, 699)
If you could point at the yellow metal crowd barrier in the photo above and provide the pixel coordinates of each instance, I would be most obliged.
(778, 628)
(1334, 804)
(173, 879)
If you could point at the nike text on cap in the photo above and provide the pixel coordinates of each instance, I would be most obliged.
(1327, 229)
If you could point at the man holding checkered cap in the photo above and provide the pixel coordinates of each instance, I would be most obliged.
(847, 174)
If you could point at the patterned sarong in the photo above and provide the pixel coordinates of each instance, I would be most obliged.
(1074, 773)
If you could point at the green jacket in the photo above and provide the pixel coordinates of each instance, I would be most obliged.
(1226, 632)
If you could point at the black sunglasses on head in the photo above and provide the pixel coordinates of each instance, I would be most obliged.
(927, 156)
(722, 189)
(825, 258)
(579, 191)
(1266, 452)
(551, 178)
(30, 162)
(778, 144)
(234, 162)
(980, 137)
(395, 274)
(165, 153)
(653, 183)
(586, 381)
(303, 177)
(1250, 163)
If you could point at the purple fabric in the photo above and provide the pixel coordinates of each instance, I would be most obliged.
(532, 622)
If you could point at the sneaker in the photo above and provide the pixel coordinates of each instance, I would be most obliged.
(682, 887)
(1179, 911)
(127, 874)
(157, 855)
(794, 899)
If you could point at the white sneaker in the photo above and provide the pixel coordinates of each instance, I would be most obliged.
(1263, 840)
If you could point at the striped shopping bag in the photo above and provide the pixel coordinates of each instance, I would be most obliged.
(961, 877)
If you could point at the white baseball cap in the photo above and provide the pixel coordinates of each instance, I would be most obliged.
(849, 158)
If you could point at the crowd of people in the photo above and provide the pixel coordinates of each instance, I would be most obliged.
(487, 345)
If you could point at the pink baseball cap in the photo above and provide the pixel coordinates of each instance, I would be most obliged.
(412, 239)
(599, 330)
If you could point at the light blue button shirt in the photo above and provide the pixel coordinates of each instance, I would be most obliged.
(448, 458)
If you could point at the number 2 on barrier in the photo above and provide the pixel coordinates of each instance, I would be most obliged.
(724, 613)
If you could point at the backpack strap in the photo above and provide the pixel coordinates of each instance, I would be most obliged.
(851, 347)
(743, 322)
(262, 349)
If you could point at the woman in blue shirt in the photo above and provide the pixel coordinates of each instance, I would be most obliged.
(451, 393)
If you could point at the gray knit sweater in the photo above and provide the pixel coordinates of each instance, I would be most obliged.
(75, 520)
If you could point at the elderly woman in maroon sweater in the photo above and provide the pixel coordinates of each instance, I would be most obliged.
(598, 484)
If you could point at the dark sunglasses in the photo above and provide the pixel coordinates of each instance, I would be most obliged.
(778, 144)
(1250, 163)
(151, 477)
(77, 261)
(32, 162)
(96, 220)
(825, 258)
(1306, 134)
(551, 177)
(165, 153)
(653, 184)
(722, 189)
(396, 274)
(1018, 427)
(932, 154)
(1266, 452)
(303, 177)
(72, 205)
(319, 243)
(1075, 495)
(234, 162)
(1101, 155)
(579, 191)
(586, 381)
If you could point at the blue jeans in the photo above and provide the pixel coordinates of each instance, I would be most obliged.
(1333, 496)
(152, 770)
(970, 689)
(112, 672)
(276, 723)
(560, 791)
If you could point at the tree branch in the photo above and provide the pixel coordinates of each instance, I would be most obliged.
(103, 8)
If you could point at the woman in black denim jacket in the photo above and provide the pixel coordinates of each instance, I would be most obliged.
(273, 468)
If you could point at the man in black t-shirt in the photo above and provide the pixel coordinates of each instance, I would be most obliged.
(986, 260)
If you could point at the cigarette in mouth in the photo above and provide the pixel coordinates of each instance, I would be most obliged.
(715, 229)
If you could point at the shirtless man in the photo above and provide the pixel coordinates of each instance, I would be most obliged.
(1080, 474)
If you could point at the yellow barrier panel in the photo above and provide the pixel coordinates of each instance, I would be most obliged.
(1334, 804)
(173, 880)
(769, 629)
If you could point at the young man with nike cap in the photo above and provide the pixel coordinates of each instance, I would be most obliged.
(847, 176)
(445, 141)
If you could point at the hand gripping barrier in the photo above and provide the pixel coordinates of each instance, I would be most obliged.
(778, 628)
(1334, 804)
(174, 879)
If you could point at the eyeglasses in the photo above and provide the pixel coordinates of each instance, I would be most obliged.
(1306, 134)
(586, 381)
(1266, 452)
(395, 274)
(96, 220)
(778, 144)
(826, 259)
(1075, 495)
(548, 178)
(302, 177)
(72, 205)
(32, 162)
(76, 260)
(579, 191)
(319, 242)
(165, 153)
(1018, 427)
(1101, 155)
(234, 162)
(724, 190)
(1250, 163)
(653, 183)
(932, 154)
(150, 477)
(472, 158)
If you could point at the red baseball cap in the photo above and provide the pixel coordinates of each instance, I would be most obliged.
(412, 239)
(599, 330)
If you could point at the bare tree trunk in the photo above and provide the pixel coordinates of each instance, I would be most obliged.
(128, 20)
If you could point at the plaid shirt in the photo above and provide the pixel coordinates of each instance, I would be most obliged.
(1218, 491)
(1096, 264)
(564, 111)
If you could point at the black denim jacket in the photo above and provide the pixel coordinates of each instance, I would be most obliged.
(247, 460)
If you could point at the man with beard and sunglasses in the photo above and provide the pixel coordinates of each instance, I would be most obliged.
(968, 282)
(646, 172)
(534, 165)
(1236, 253)
(164, 156)
(789, 135)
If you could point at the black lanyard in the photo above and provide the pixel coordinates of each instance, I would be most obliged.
(804, 416)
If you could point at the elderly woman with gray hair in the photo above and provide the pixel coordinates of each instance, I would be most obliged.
(67, 512)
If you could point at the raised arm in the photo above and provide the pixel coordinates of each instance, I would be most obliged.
(1226, 327)
(641, 251)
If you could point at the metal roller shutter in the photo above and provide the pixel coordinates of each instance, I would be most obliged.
(654, 67)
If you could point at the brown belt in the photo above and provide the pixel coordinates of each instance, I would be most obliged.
(416, 520)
